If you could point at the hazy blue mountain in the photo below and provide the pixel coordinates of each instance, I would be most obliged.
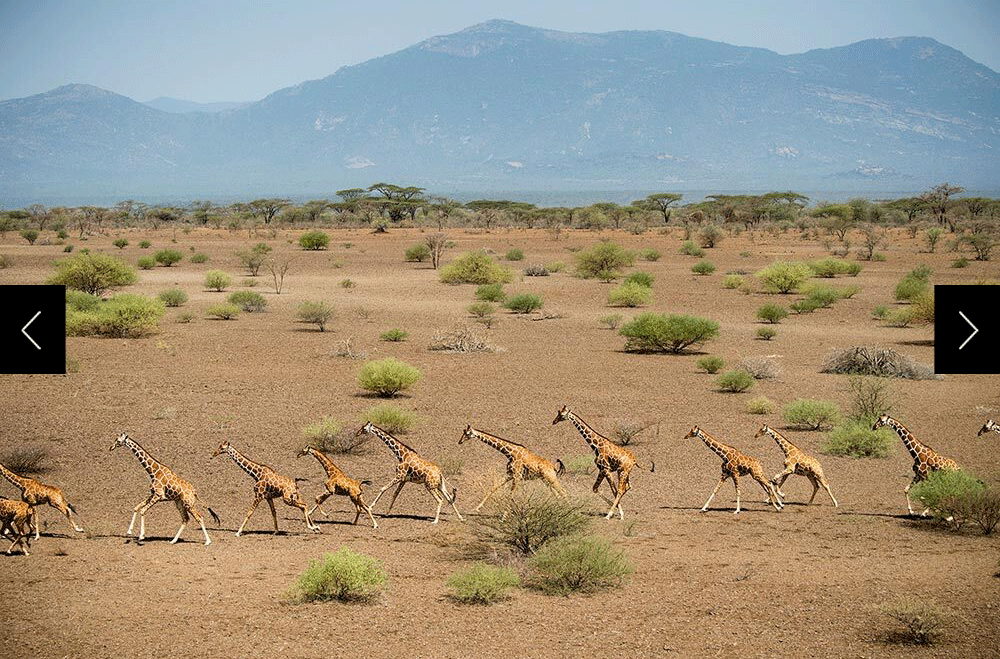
(180, 106)
(504, 106)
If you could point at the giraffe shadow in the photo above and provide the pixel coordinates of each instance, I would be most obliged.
(719, 509)
(903, 516)
(418, 518)
(916, 342)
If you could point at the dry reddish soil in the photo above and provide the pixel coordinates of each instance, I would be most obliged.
(808, 581)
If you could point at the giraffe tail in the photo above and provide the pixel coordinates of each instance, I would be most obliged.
(562, 468)
(366, 481)
(72, 509)
(214, 516)
(652, 466)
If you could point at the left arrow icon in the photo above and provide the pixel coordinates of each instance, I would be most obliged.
(24, 330)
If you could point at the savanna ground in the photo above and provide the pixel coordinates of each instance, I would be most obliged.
(808, 581)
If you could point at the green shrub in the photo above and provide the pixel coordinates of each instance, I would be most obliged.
(944, 490)
(253, 258)
(121, 243)
(514, 254)
(122, 316)
(536, 270)
(418, 253)
(880, 312)
(629, 295)
(650, 332)
(317, 313)
(709, 236)
(960, 262)
(804, 306)
(811, 414)
(31, 235)
(168, 257)
(481, 309)
(578, 564)
(347, 283)
(829, 267)
(784, 276)
(475, 268)
(146, 262)
(555, 266)
(390, 418)
(525, 520)
(649, 254)
(199, 257)
(343, 576)
(822, 297)
(641, 278)
(327, 435)
(217, 280)
(225, 311)
(603, 261)
(482, 584)
(394, 335)
(899, 317)
(766, 333)
(5, 262)
(856, 439)
(175, 297)
(703, 268)
(711, 363)
(691, 249)
(145, 244)
(772, 313)
(387, 377)
(760, 405)
(491, 293)
(314, 240)
(913, 285)
(523, 303)
(80, 301)
(735, 381)
(921, 621)
(610, 321)
(732, 281)
(67, 249)
(248, 301)
(92, 273)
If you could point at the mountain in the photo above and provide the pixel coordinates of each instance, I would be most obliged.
(180, 106)
(507, 107)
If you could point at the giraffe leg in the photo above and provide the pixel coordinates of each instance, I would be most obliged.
(827, 486)
(135, 511)
(906, 493)
(320, 498)
(779, 480)
(274, 515)
(714, 492)
(184, 519)
(382, 491)
(142, 515)
(493, 491)
(815, 484)
(297, 503)
(253, 507)
(616, 504)
(67, 511)
(772, 492)
(359, 503)
(736, 484)
(201, 522)
(395, 494)
(35, 523)
(440, 501)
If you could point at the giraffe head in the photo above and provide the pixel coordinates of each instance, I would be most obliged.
(223, 447)
(561, 415)
(882, 421)
(368, 427)
(122, 437)
(305, 450)
(467, 434)
(694, 432)
(987, 427)
(764, 430)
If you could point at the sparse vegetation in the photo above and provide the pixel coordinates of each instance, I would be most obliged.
(121, 243)
(514, 254)
(733, 281)
(640, 278)
(629, 294)
(388, 377)
(829, 267)
(31, 235)
(26, 460)
(610, 321)
(735, 381)
(784, 276)
(314, 240)
(175, 297)
(650, 332)
(811, 414)
(145, 263)
(475, 268)
(168, 257)
(856, 439)
(913, 285)
(523, 303)
(395, 335)
(462, 339)
(690, 249)
(328, 436)
(225, 311)
(199, 257)
(711, 363)
(703, 268)
(123, 316)
(875, 360)
(390, 418)
(772, 313)
(603, 261)
(93, 273)
(921, 622)
(217, 280)
(526, 520)
(344, 576)
(649, 254)
(578, 564)
(760, 405)
(491, 293)
(418, 253)
(249, 301)
(316, 313)
(766, 333)
(482, 584)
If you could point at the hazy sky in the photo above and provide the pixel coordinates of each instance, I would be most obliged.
(226, 50)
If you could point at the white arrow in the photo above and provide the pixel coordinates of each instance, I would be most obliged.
(23, 330)
(975, 330)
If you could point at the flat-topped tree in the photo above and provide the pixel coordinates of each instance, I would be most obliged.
(937, 200)
(351, 194)
(661, 202)
(265, 209)
(398, 201)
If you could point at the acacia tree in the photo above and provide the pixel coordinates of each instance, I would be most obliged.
(264, 209)
(937, 201)
(661, 202)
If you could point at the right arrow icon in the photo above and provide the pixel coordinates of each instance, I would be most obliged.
(975, 330)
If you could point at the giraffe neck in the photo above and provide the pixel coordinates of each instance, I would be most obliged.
(498, 443)
(786, 446)
(912, 445)
(394, 444)
(17, 481)
(323, 460)
(595, 440)
(148, 463)
(721, 449)
(255, 470)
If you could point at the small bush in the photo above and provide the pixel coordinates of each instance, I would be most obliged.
(555, 266)
(146, 262)
(394, 335)
(760, 405)
(253, 258)
(387, 377)
(145, 244)
(26, 460)
(772, 313)
(122, 316)
(524, 521)
(482, 584)
(649, 332)
(248, 301)
(523, 303)
(880, 312)
(491, 293)
(784, 276)
(514, 254)
(317, 313)
(418, 253)
(199, 257)
(711, 363)
(945, 490)
(390, 418)
(481, 309)
(760, 368)
(314, 240)
(811, 414)
(185, 317)
(960, 262)
(629, 295)
(710, 236)
(856, 439)
(736, 381)
(175, 297)
(224, 311)
(328, 436)
(216, 280)
(343, 576)
(475, 268)
(827, 268)
(733, 282)
(347, 283)
(875, 360)
(649, 254)
(913, 285)
(31, 235)
(536, 270)
(640, 278)
(80, 301)
(899, 318)
(691, 249)
(168, 257)
(822, 297)
(922, 622)
(92, 273)
(462, 339)
(610, 321)
(578, 564)
(603, 261)
(121, 243)
(766, 333)
(703, 268)
(804, 306)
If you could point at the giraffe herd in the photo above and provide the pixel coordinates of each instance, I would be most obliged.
(18, 519)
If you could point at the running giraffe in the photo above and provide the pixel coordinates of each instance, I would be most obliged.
(522, 464)
(796, 462)
(412, 469)
(337, 482)
(734, 465)
(268, 485)
(14, 515)
(925, 459)
(609, 458)
(35, 493)
(164, 485)
(988, 426)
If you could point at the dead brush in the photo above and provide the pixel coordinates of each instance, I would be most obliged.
(626, 432)
(26, 460)
(346, 348)
(922, 623)
(760, 368)
(878, 361)
(461, 339)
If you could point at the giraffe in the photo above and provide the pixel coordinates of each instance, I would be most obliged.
(988, 426)
(412, 469)
(337, 482)
(164, 485)
(734, 465)
(35, 493)
(796, 462)
(522, 464)
(13, 517)
(268, 485)
(609, 458)
(925, 459)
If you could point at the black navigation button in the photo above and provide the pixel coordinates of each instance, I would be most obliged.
(33, 329)
(966, 329)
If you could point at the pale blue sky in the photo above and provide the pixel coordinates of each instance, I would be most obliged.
(225, 50)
